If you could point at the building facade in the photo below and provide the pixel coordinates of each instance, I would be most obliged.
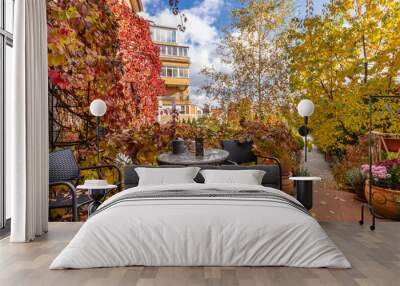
(175, 72)
(135, 5)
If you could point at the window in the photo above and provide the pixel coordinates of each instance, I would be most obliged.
(9, 13)
(171, 36)
(169, 71)
(173, 51)
(163, 35)
(6, 64)
(163, 50)
(183, 72)
(184, 52)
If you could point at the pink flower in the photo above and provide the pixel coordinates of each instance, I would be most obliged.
(365, 169)
(378, 172)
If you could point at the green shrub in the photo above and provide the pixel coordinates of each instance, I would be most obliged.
(354, 178)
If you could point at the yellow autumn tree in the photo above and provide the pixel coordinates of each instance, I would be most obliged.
(342, 57)
(253, 52)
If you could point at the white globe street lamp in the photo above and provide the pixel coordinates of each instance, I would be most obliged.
(305, 108)
(98, 108)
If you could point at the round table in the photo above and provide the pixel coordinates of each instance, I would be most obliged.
(211, 156)
(304, 190)
(96, 193)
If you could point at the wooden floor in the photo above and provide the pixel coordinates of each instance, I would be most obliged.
(375, 257)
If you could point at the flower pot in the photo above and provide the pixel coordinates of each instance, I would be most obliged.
(386, 202)
(287, 185)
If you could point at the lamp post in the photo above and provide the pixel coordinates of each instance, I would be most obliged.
(98, 108)
(305, 108)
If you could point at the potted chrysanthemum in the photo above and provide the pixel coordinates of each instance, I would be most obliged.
(385, 187)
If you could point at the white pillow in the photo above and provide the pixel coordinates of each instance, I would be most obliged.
(248, 177)
(166, 176)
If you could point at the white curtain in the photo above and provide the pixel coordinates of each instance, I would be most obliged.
(27, 124)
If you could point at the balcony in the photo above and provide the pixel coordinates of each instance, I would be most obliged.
(175, 81)
(174, 53)
(175, 75)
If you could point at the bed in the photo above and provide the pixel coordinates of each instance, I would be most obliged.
(197, 224)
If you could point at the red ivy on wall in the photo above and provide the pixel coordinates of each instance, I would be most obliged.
(103, 42)
(140, 80)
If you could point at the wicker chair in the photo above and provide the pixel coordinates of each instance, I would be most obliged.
(64, 171)
(241, 153)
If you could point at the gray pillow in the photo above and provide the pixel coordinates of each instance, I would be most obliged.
(247, 177)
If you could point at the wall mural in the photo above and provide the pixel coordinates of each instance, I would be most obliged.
(104, 49)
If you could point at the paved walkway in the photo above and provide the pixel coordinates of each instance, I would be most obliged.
(329, 203)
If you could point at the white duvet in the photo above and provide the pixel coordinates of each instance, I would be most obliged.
(203, 232)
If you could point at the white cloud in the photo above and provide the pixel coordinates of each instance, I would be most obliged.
(201, 36)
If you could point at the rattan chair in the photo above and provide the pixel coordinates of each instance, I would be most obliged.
(242, 152)
(64, 171)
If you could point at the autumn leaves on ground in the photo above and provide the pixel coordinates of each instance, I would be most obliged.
(271, 59)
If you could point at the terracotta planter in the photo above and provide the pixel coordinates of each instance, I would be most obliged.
(287, 185)
(385, 201)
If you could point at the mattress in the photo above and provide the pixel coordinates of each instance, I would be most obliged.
(201, 225)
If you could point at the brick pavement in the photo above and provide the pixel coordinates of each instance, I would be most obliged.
(329, 203)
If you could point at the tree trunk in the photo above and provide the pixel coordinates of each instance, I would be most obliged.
(365, 58)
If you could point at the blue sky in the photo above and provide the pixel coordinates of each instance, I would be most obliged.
(203, 30)
(154, 6)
